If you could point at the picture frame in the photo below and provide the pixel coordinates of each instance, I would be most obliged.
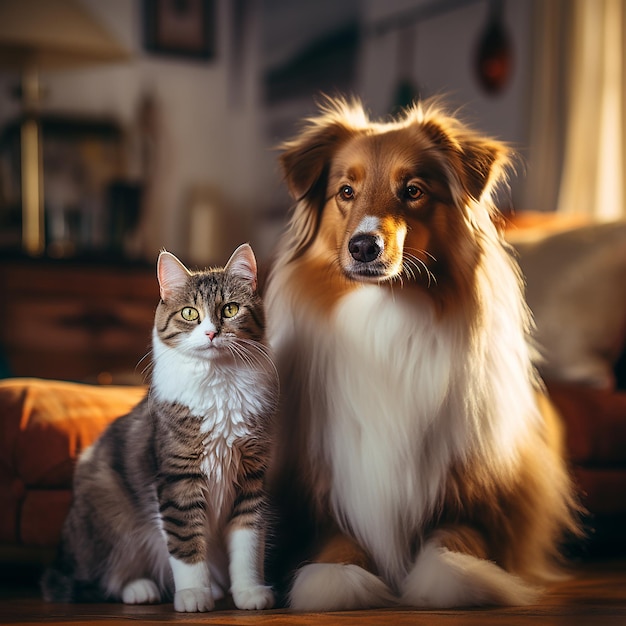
(182, 28)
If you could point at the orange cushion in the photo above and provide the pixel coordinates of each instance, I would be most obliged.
(45, 424)
(542, 221)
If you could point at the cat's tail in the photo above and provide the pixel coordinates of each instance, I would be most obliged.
(59, 584)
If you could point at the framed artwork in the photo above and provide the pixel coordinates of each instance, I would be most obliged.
(184, 28)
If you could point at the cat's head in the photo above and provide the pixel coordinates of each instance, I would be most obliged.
(214, 314)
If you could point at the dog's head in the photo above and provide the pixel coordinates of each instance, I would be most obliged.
(406, 199)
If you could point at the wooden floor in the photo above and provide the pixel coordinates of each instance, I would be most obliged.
(596, 594)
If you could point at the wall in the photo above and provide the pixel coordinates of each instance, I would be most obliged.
(443, 65)
(445, 37)
(214, 130)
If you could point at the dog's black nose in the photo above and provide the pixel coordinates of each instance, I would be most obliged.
(365, 248)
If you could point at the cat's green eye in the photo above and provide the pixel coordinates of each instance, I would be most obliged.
(190, 314)
(230, 310)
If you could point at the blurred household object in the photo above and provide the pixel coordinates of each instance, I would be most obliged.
(407, 90)
(76, 319)
(83, 165)
(494, 53)
(38, 35)
(577, 139)
(180, 27)
(213, 225)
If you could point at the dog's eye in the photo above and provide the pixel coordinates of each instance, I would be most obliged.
(346, 192)
(414, 192)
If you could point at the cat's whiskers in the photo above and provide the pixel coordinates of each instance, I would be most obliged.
(258, 352)
(148, 367)
(239, 352)
(250, 352)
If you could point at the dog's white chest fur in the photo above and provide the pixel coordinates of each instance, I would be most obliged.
(389, 370)
(391, 397)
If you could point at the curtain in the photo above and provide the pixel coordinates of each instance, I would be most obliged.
(577, 154)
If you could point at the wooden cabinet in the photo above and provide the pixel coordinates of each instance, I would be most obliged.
(73, 321)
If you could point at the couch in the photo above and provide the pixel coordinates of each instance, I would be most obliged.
(580, 272)
(44, 425)
(575, 277)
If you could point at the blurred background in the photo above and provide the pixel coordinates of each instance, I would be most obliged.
(159, 119)
(127, 126)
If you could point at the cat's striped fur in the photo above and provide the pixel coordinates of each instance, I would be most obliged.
(169, 502)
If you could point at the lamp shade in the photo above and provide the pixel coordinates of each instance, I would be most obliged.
(53, 34)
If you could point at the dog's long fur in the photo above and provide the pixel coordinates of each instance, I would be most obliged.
(412, 453)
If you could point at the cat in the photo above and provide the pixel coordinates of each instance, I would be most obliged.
(169, 501)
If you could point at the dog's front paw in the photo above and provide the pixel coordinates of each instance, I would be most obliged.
(443, 579)
(337, 587)
(196, 600)
(253, 598)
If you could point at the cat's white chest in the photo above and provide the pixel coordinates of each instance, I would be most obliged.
(222, 398)
(223, 415)
(220, 464)
(228, 402)
(221, 407)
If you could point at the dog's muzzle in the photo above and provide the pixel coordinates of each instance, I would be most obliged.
(365, 248)
(366, 258)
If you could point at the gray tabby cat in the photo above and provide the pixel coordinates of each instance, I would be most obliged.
(169, 502)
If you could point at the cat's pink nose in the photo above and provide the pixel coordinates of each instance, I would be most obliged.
(211, 334)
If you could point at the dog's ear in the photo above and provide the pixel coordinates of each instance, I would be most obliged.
(479, 163)
(306, 162)
(306, 159)
(484, 164)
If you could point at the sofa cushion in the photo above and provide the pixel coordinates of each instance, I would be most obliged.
(44, 425)
(595, 424)
(43, 512)
(576, 289)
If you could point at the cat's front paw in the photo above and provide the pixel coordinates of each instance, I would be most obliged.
(253, 598)
(196, 600)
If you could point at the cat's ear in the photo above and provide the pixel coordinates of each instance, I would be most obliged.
(172, 274)
(242, 263)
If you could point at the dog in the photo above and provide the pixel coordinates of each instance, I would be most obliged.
(417, 462)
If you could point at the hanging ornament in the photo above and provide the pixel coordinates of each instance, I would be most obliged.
(406, 91)
(494, 53)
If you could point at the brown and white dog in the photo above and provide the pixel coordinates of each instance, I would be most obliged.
(410, 442)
